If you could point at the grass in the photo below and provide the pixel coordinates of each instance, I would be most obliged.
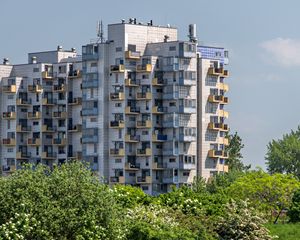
(285, 231)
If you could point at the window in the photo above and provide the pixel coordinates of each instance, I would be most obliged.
(10, 150)
(95, 148)
(120, 133)
(8, 124)
(118, 49)
(62, 69)
(185, 174)
(93, 64)
(36, 69)
(10, 96)
(35, 123)
(145, 188)
(93, 119)
(172, 160)
(132, 174)
(118, 104)
(172, 104)
(172, 48)
(118, 160)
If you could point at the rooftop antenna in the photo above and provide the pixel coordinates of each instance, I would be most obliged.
(100, 33)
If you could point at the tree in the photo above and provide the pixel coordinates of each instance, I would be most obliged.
(268, 193)
(283, 155)
(241, 222)
(67, 202)
(234, 148)
(294, 210)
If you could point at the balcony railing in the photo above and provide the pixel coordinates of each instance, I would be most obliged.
(119, 96)
(23, 102)
(47, 75)
(22, 155)
(75, 128)
(93, 83)
(159, 110)
(9, 115)
(46, 128)
(132, 110)
(34, 142)
(117, 68)
(59, 141)
(117, 152)
(144, 152)
(144, 124)
(9, 141)
(131, 82)
(223, 113)
(75, 101)
(143, 96)
(144, 68)
(157, 82)
(218, 126)
(59, 114)
(223, 86)
(132, 55)
(117, 124)
(59, 88)
(218, 99)
(222, 168)
(49, 155)
(159, 137)
(9, 88)
(132, 138)
(144, 180)
(22, 128)
(218, 72)
(34, 115)
(48, 101)
(132, 166)
(158, 166)
(75, 74)
(120, 180)
(34, 88)
(75, 155)
(217, 154)
(187, 82)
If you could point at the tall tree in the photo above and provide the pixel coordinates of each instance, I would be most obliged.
(283, 155)
(234, 151)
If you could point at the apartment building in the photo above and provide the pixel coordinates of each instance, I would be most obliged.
(142, 108)
(212, 127)
(41, 106)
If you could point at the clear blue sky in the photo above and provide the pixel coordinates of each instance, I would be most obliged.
(263, 38)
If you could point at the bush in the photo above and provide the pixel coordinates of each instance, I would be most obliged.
(294, 211)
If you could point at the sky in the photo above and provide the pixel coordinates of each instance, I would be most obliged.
(262, 37)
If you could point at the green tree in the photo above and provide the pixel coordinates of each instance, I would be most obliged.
(283, 155)
(234, 149)
(268, 193)
(65, 203)
(294, 210)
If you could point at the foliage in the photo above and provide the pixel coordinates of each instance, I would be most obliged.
(283, 155)
(234, 149)
(294, 211)
(267, 193)
(241, 222)
(285, 231)
(66, 203)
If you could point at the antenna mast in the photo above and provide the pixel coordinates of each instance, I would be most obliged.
(100, 33)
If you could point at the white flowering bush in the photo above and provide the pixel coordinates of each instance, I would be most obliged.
(241, 222)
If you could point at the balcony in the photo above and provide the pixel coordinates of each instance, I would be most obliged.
(48, 129)
(218, 127)
(35, 88)
(218, 99)
(34, 115)
(222, 167)
(23, 102)
(187, 82)
(131, 82)
(48, 101)
(132, 167)
(117, 68)
(21, 128)
(90, 139)
(9, 88)
(218, 72)
(144, 124)
(159, 110)
(144, 68)
(217, 154)
(223, 113)
(59, 141)
(187, 166)
(59, 88)
(9, 141)
(159, 137)
(120, 180)
(223, 86)
(34, 142)
(132, 138)
(120, 96)
(23, 155)
(117, 152)
(75, 128)
(224, 141)
(10, 168)
(158, 166)
(144, 152)
(132, 110)
(93, 83)
(132, 55)
(144, 180)
(59, 114)
(47, 75)
(49, 155)
(75, 74)
(9, 115)
(157, 82)
(117, 124)
(90, 112)
(75, 156)
(144, 96)
(75, 101)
